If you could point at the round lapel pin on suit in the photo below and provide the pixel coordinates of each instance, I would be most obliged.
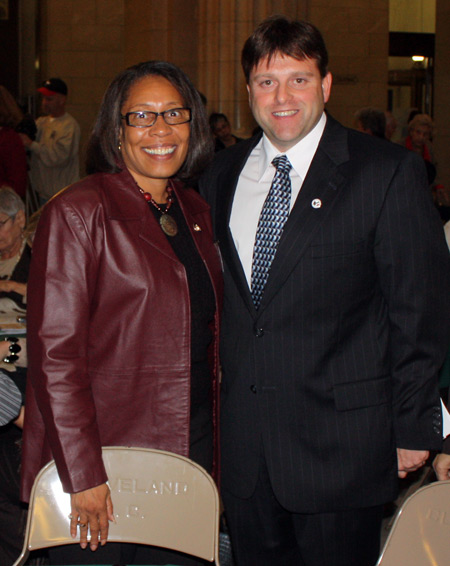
(316, 203)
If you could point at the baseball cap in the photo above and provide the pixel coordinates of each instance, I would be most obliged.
(53, 86)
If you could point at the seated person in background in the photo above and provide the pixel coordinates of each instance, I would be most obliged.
(12, 399)
(12, 381)
(371, 121)
(441, 463)
(221, 130)
(15, 254)
(13, 353)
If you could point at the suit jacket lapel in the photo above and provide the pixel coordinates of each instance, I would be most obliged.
(226, 190)
(313, 205)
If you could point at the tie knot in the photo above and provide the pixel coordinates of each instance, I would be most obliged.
(282, 164)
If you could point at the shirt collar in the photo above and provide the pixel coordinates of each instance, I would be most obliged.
(300, 155)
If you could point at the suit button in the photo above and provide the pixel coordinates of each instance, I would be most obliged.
(253, 389)
(259, 332)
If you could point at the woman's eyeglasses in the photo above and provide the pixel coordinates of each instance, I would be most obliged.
(145, 119)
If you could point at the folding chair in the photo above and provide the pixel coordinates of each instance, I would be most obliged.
(159, 499)
(420, 535)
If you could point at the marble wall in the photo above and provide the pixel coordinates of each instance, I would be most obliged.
(88, 41)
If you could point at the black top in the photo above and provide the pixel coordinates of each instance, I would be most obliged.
(202, 302)
(20, 275)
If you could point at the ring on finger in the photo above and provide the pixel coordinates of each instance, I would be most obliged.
(82, 525)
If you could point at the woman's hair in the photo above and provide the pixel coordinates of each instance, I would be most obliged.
(30, 228)
(421, 120)
(216, 117)
(10, 202)
(10, 113)
(103, 154)
(291, 38)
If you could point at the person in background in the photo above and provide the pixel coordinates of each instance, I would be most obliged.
(123, 307)
(420, 133)
(336, 316)
(54, 153)
(12, 396)
(13, 160)
(391, 125)
(15, 253)
(221, 130)
(13, 374)
(441, 463)
(371, 121)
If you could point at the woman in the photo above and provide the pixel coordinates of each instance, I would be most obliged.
(221, 130)
(15, 254)
(13, 160)
(123, 306)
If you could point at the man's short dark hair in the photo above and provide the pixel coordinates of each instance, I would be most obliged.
(103, 154)
(372, 120)
(291, 38)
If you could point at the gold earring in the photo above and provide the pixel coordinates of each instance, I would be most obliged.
(119, 147)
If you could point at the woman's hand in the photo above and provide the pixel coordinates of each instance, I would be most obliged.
(8, 286)
(441, 465)
(19, 421)
(23, 358)
(92, 510)
(4, 348)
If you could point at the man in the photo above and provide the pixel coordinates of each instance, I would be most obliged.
(54, 154)
(329, 383)
(371, 121)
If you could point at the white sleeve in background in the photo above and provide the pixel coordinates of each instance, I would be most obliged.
(445, 421)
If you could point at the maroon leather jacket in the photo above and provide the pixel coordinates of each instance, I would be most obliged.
(109, 330)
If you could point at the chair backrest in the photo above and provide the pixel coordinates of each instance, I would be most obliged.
(159, 499)
(420, 535)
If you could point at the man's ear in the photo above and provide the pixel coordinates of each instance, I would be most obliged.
(326, 86)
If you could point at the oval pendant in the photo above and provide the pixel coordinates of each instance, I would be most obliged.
(168, 225)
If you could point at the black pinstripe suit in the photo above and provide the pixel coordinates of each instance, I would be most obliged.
(338, 366)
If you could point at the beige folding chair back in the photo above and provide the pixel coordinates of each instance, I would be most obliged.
(420, 535)
(159, 499)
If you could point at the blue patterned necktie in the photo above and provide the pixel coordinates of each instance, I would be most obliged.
(273, 217)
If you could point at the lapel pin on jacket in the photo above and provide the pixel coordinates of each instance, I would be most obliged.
(197, 228)
(316, 203)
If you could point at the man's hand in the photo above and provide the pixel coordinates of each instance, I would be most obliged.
(441, 465)
(410, 460)
(92, 510)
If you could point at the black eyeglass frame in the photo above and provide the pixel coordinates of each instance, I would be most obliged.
(126, 117)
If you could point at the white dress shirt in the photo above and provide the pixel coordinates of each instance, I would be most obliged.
(254, 185)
